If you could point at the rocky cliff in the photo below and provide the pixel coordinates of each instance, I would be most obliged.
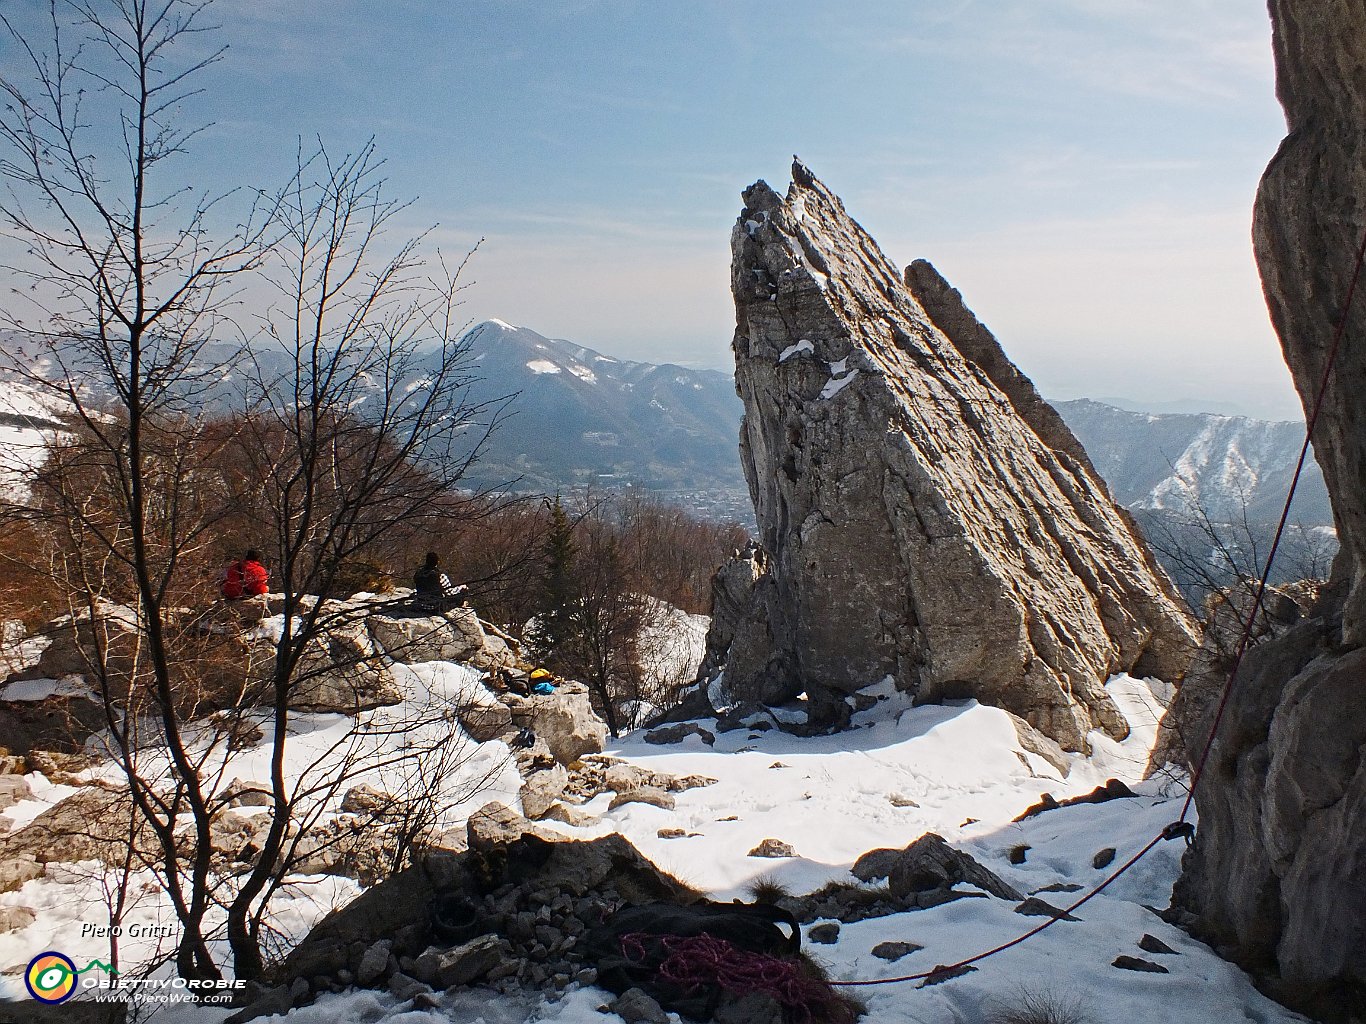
(1277, 876)
(925, 516)
(1307, 229)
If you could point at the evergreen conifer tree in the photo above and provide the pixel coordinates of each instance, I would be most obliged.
(560, 594)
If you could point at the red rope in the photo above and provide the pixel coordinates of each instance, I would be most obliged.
(698, 961)
(1245, 641)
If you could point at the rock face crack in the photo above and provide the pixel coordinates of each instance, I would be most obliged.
(925, 514)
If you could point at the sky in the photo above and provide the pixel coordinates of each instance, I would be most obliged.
(1082, 170)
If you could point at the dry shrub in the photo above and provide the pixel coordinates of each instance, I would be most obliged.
(1039, 1006)
(767, 889)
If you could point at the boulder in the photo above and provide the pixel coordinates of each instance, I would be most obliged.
(893, 951)
(541, 858)
(542, 788)
(826, 934)
(351, 847)
(15, 871)
(565, 719)
(774, 848)
(452, 636)
(14, 919)
(678, 733)
(484, 722)
(232, 834)
(341, 671)
(922, 518)
(623, 777)
(367, 801)
(243, 793)
(57, 765)
(59, 722)
(544, 778)
(13, 788)
(374, 963)
(930, 864)
(643, 795)
(463, 964)
(635, 1006)
(88, 825)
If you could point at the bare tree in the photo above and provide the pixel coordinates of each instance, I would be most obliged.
(124, 290)
(616, 571)
(361, 428)
(1207, 553)
(353, 426)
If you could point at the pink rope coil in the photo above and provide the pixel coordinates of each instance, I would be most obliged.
(700, 961)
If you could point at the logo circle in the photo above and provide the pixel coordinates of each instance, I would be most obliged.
(51, 977)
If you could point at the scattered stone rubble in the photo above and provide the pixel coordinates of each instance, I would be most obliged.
(509, 913)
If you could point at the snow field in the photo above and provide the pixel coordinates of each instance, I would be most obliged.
(831, 799)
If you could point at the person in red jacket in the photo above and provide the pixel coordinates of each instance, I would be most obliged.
(246, 577)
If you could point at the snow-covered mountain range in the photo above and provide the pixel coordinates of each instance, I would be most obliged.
(581, 418)
(584, 418)
(1177, 461)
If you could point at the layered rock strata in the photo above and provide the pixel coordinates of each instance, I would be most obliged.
(920, 522)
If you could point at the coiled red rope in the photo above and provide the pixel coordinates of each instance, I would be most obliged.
(704, 961)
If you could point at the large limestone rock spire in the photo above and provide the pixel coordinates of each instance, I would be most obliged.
(918, 524)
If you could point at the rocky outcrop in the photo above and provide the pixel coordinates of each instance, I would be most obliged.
(340, 670)
(92, 824)
(1307, 229)
(1276, 879)
(1283, 810)
(535, 891)
(924, 518)
(735, 611)
(945, 307)
(565, 720)
(414, 639)
(456, 635)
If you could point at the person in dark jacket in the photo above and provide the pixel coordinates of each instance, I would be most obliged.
(246, 577)
(432, 589)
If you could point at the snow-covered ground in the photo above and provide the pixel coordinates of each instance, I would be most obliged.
(903, 771)
(26, 416)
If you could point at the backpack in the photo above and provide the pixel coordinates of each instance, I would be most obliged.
(640, 947)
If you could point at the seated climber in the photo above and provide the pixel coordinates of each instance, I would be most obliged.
(432, 588)
(244, 578)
